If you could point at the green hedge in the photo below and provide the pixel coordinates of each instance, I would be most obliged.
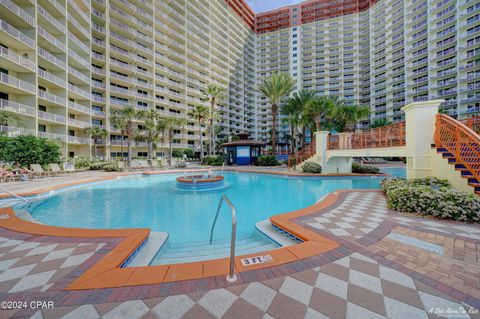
(364, 169)
(266, 160)
(312, 167)
(98, 165)
(213, 160)
(28, 149)
(432, 197)
(178, 152)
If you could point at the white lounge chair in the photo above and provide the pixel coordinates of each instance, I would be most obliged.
(38, 171)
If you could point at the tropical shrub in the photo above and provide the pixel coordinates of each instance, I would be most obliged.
(27, 149)
(81, 162)
(312, 167)
(364, 169)
(98, 165)
(177, 152)
(213, 160)
(431, 197)
(113, 167)
(266, 160)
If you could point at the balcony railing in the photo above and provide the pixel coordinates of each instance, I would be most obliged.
(19, 11)
(17, 83)
(15, 107)
(52, 97)
(15, 131)
(52, 117)
(4, 26)
(387, 136)
(16, 58)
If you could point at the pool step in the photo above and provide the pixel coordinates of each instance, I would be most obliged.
(180, 253)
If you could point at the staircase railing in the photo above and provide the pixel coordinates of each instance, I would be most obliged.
(302, 154)
(231, 275)
(461, 141)
(472, 123)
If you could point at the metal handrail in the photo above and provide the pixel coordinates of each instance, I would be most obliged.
(15, 195)
(231, 275)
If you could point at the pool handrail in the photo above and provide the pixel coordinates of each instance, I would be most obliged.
(231, 275)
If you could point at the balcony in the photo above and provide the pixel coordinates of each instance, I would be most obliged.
(51, 58)
(53, 43)
(16, 131)
(52, 79)
(78, 123)
(55, 99)
(79, 92)
(19, 12)
(52, 136)
(78, 140)
(14, 85)
(14, 107)
(15, 38)
(79, 108)
(14, 61)
(52, 117)
(52, 20)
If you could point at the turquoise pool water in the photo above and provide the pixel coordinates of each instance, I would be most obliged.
(395, 171)
(155, 202)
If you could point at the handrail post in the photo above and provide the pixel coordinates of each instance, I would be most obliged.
(231, 274)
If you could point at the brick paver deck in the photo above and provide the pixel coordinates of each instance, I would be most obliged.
(387, 266)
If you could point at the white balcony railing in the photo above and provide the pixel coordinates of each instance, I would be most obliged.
(17, 83)
(4, 26)
(16, 58)
(18, 108)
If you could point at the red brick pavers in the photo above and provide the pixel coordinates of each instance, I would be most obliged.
(371, 275)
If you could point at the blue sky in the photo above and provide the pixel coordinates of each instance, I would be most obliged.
(265, 5)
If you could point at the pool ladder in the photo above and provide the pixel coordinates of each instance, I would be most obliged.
(232, 277)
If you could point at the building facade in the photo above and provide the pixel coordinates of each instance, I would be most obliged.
(64, 65)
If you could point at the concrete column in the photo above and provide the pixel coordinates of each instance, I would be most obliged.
(420, 128)
(333, 165)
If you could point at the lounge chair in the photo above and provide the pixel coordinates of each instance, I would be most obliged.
(6, 176)
(38, 171)
(56, 170)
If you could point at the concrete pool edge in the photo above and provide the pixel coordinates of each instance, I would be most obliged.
(106, 273)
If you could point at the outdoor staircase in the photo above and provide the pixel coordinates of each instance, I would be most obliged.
(465, 172)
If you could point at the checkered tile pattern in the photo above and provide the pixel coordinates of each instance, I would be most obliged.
(358, 215)
(36, 266)
(352, 287)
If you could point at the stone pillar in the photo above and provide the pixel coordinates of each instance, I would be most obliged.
(419, 130)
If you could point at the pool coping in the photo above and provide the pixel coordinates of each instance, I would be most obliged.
(107, 272)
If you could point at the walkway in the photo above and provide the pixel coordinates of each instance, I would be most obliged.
(388, 265)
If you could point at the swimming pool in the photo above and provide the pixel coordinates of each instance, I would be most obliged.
(155, 202)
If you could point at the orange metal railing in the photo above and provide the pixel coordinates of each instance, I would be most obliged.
(385, 136)
(460, 140)
(301, 155)
(472, 123)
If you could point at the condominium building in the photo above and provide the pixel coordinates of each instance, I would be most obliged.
(65, 64)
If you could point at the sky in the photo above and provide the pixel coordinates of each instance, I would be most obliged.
(265, 5)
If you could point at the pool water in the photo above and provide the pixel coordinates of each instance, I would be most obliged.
(155, 202)
(395, 171)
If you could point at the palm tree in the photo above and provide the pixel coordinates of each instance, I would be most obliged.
(320, 112)
(153, 128)
(96, 133)
(124, 120)
(214, 94)
(171, 123)
(293, 110)
(200, 114)
(349, 115)
(379, 123)
(275, 88)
